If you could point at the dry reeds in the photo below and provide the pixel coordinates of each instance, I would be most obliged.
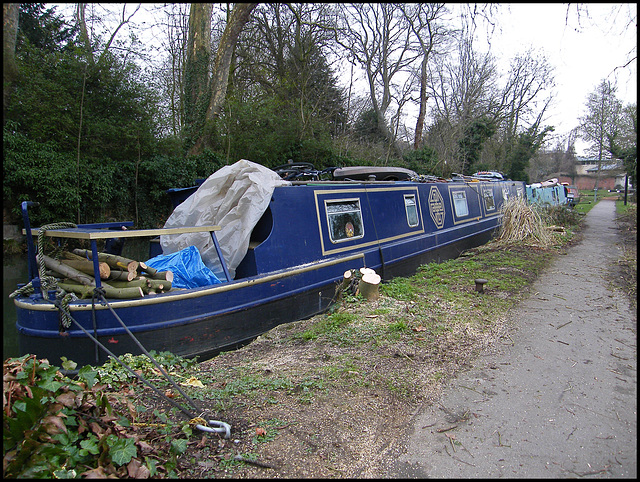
(521, 223)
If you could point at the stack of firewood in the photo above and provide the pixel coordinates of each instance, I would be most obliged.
(120, 277)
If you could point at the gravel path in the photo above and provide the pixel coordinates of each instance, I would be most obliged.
(561, 401)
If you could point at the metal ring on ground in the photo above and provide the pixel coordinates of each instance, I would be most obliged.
(222, 428)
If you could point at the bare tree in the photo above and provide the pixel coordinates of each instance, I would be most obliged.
(463, 88)
(89, 44)
(170, 77)
(378, 37)
(527, 92)
(600, 121)
(424, 23)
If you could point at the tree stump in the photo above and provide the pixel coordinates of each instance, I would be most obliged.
(369, 285)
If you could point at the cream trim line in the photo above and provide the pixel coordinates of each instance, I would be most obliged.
(193, 294)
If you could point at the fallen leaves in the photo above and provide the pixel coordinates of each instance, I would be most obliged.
(192, 382)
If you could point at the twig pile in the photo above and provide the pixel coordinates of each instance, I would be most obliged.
(521, 223)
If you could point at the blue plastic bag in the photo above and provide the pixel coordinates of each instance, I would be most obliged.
(188, 269)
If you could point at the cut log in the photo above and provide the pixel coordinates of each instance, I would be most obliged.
(86, 266)
(69, 255)
(163, 275)
(368, 286)
(118, 274)
(114, 261)
(147, 269)
(145, 283)
(110, 292)
(68, 271)
(347, 278)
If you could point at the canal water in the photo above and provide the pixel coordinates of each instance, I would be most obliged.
(14, 271)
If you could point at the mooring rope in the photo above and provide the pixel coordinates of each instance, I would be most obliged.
(200, 423)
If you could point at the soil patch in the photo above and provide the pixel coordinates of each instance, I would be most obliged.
(332, 396)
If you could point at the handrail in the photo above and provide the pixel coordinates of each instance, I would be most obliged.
(92, 233)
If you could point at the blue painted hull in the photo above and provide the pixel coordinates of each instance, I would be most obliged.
(305, 241)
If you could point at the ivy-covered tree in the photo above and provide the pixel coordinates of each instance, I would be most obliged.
(471, 144)
(623, 142)
(284, 101)
(526, 146)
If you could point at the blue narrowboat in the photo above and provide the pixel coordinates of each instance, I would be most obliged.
(282, 262)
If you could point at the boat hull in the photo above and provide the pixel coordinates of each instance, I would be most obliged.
(203, 338)
(299, 250)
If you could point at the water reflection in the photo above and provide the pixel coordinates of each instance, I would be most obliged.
(14, 271)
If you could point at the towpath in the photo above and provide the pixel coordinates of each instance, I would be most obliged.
(561, 401)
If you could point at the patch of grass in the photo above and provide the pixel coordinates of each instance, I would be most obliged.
(267, 431)
(400, 289)
(331, 324)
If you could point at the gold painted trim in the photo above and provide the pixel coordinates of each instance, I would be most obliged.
(406, 189)
(173, 296)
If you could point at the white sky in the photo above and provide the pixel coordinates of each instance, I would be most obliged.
(583, 50)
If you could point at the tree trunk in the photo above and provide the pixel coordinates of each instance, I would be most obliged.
(237, 20)
(84, 32)
(369, 286)
(196, 69)
(417, 141)
(10, 16)
(200, 127)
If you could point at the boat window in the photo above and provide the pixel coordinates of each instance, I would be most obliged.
(345, 220)
(460, 203)
(412, 209)
(489, 202)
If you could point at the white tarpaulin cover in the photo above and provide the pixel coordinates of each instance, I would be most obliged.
(234, 197)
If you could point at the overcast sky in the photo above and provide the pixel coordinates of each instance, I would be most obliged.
(584, 50)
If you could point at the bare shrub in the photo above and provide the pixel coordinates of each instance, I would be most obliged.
(522, 223)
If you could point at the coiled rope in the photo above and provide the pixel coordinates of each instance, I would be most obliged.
(48, 282)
